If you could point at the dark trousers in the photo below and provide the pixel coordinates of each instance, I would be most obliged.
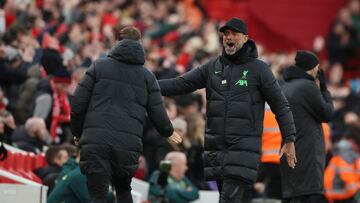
(98, 185)
(269, 174)
(314, 198)
(234, 191)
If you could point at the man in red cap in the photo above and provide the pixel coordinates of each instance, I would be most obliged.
(237, 86)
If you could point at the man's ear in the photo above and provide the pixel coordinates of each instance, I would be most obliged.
(246, 38)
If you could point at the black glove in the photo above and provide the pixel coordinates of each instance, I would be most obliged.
(321, 77)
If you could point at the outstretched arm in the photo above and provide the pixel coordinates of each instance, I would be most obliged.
(189, 82)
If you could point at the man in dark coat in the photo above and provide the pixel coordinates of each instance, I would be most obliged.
(311, 104)
(237, 86)
(108, 114)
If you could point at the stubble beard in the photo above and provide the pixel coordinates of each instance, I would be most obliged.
(231, 50)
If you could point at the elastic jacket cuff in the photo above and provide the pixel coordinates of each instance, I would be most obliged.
(290, 138)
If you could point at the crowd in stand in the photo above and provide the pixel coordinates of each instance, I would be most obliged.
(46, 47)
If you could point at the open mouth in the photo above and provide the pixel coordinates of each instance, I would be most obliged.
(230, 44)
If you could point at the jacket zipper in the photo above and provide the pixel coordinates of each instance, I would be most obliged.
(227, 77)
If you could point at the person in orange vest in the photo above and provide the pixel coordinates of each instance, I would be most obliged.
(342, 175)
(269, 172)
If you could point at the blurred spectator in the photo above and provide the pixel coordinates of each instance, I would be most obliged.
(179, 188)
(71, 149)
(354, 6)
(346, 106)
(2, 130)
(33, 136)
(342, 38)
(26, 95)
(194, 147)
(9, 125)
(342, 181)
(180, 126)
(3, 101)
(56, 157)
(76, 76)
(69, 165)
(13, 72)
(269, 179)
(51, 61)
(71, 184)
(171, 108)
(142, 170)
(188, 104)
(3, 151)
(53, 106)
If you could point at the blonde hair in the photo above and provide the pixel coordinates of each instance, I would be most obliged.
(194, 131)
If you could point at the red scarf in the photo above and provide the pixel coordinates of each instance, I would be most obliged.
(60, 111)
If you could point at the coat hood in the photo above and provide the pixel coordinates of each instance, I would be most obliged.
(128, 51)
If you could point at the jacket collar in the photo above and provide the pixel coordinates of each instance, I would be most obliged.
(294, 72)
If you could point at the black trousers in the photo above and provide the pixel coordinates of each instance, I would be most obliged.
(234, 191)
(314, 198)
(269, 174)
(98, 186)
(106, 165)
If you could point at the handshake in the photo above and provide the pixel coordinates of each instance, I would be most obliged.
(175, 138)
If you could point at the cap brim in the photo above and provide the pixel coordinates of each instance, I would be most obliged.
(226, 27)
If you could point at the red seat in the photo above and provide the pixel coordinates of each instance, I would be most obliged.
(39, 161)
(29, 159)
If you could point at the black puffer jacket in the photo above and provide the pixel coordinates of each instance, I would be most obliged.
(236, 91)
(310, 108)
(111, 101)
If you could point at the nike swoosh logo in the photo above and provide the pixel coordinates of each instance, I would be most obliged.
(216, 72)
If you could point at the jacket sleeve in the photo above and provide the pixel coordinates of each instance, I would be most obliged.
(279, 105)
(78, 188)
(318, 104)
(13, 74)
(43, 106)
(80, 101)
(189, 82)
(155, 107)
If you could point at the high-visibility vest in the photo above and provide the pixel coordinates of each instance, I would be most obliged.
(326, 129)
(271, 139)
(348, 173)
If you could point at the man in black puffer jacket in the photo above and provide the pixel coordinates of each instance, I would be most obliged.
(237, 86)
(311, 105)
(108, 113)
